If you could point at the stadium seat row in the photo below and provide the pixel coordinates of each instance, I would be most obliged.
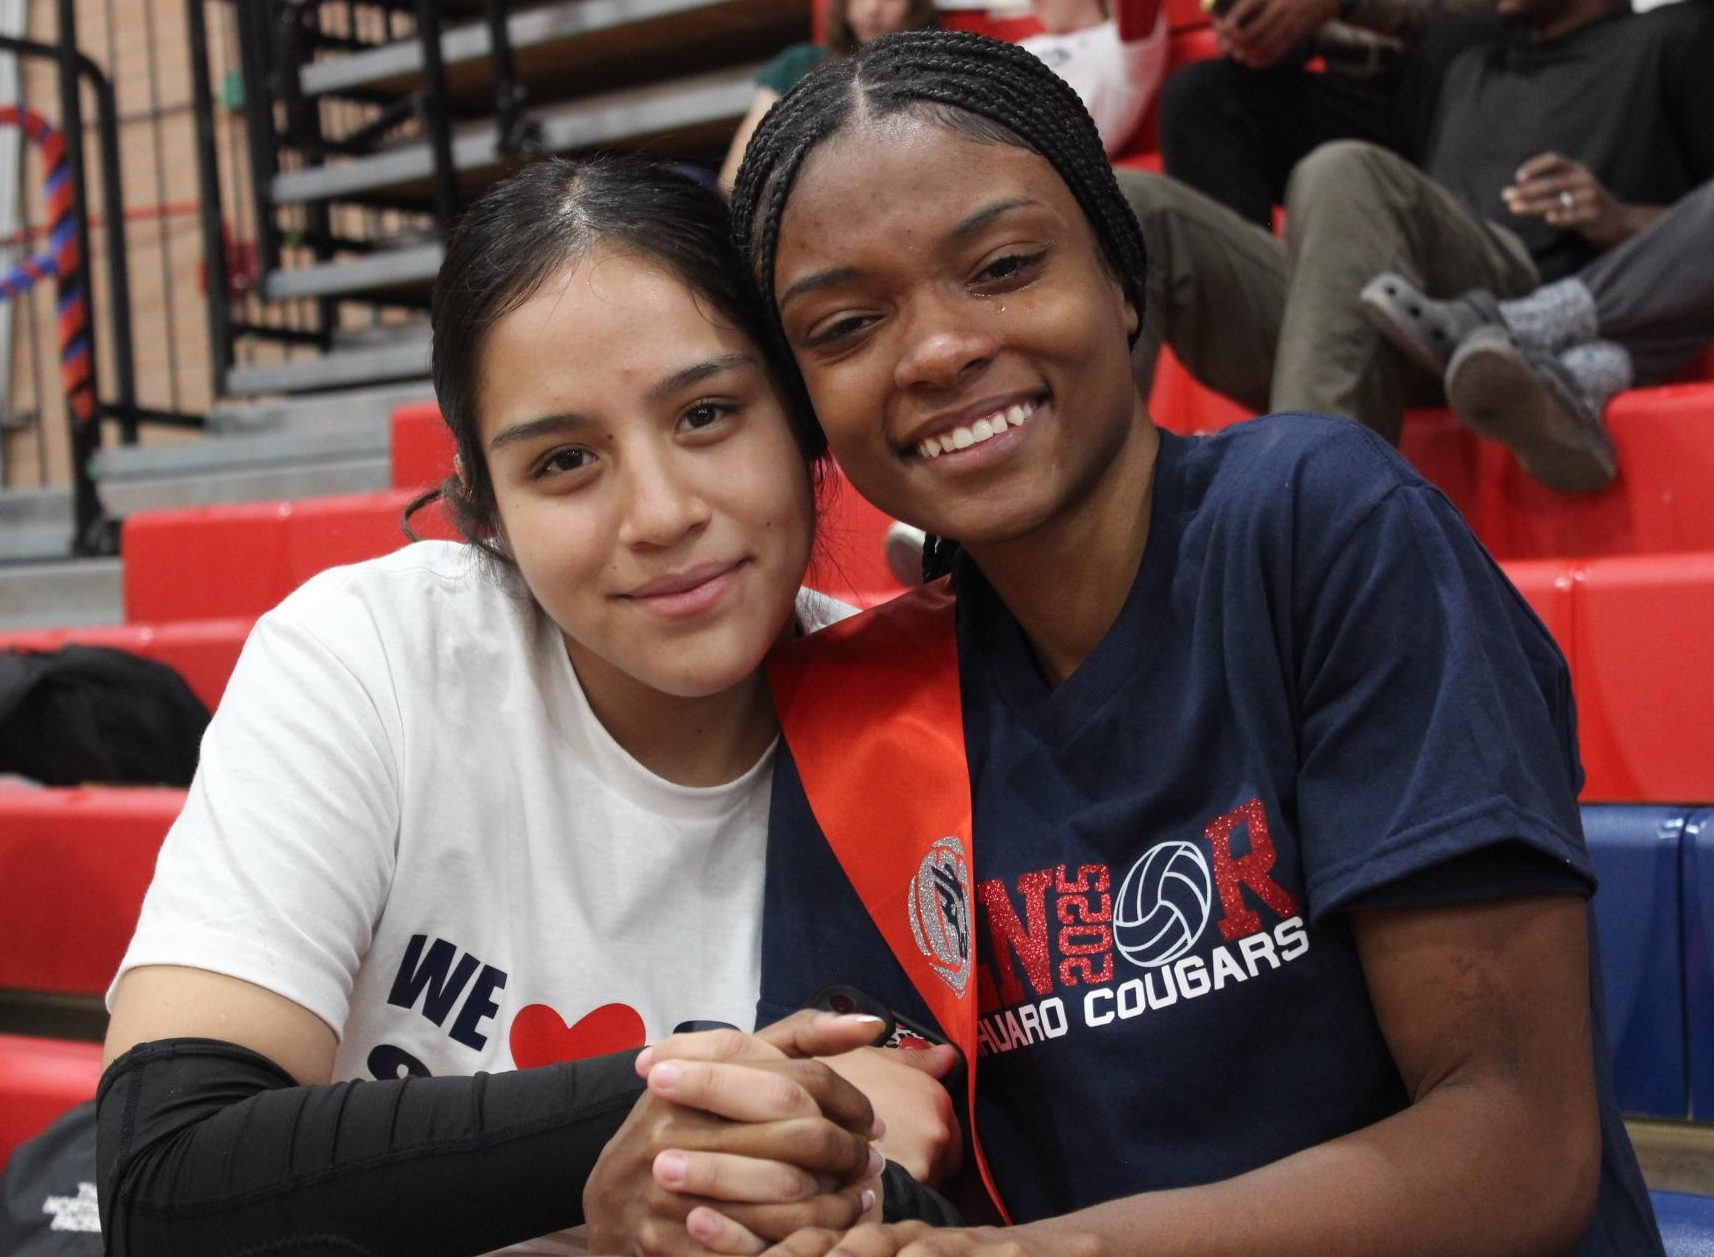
(74, 865)
(1660, 504)
(203, 652)
(1637, 631)
(1628, 623)
(1654, 921)
(39, 1080)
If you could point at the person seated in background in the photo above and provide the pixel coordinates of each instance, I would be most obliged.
(1280, 327)
(850, 25)
(1114, 66)
(1536, 372)
(1232, 127)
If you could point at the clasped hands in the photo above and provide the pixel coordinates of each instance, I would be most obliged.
(742, 1141)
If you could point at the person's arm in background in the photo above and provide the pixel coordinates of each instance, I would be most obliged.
(764, 101)
(1567, 194)
(1263, 33)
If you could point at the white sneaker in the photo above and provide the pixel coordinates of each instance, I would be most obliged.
(904, 553)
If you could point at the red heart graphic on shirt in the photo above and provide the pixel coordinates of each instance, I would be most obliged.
(541, 1037)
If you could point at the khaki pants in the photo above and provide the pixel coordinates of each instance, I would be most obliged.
(1276, 325)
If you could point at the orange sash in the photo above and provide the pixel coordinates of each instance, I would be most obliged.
(870, 708)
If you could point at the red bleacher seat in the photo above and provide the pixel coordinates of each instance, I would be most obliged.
(1550, 587)
(39, 1080)
(1642, 636)
(239, 560)
(73, 868)
(422, 446)
(1659, 504)
(850, 558)
(1179, 404)
(203, 652)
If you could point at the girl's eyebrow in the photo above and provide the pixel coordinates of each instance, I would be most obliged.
(815, 281)
(539, 427)
(667, 386)
(696, 372)
(974, 223)
(987, 214)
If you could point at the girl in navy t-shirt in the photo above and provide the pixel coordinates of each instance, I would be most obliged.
(1277, 924)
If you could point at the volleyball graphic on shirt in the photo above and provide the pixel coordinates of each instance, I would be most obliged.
(1163, 905)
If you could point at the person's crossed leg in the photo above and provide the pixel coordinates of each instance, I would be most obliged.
(1277, 324)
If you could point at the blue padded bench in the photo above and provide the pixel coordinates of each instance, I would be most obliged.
(1698, 942)
(1686, 1223)
(1638, 859)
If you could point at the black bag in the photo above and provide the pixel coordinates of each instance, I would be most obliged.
(47, 1192)
(92, 714)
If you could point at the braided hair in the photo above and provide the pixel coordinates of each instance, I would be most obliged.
(979, 87)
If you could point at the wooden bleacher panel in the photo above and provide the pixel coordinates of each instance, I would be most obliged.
(576, 48)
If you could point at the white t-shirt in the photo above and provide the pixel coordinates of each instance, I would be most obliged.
(407, 819)
(1115, 80)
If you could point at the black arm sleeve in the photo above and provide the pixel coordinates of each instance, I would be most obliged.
(204, 1147)
(903, 1199)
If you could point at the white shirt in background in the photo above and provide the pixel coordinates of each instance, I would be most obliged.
(1115, 80)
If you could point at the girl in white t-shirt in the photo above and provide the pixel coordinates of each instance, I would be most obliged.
(498, 806)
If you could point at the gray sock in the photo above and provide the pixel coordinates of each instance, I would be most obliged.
(1600, 368)
(1552, 317)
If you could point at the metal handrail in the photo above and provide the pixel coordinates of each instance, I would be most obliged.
(93, 530)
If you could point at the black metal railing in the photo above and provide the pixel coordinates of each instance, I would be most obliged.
(93, 310)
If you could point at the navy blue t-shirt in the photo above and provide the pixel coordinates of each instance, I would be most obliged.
(1319, 687)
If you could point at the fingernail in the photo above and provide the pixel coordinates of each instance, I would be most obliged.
(879, 1129)
(853, 1018)
(666, 1073)
(643, 1059)
(866, 1201)
(877, 1162)
(702, 1224)
(669, 1168)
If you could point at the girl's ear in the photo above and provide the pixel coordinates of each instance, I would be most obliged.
(1132, 322)
(458, 471)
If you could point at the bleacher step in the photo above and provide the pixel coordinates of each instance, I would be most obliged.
(398, 273)
(559, 47)
(1675, 1156)
(296, 448)
(35, 524)
(60, 594)
(691, 105)
(405, 359)
(371, 404)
